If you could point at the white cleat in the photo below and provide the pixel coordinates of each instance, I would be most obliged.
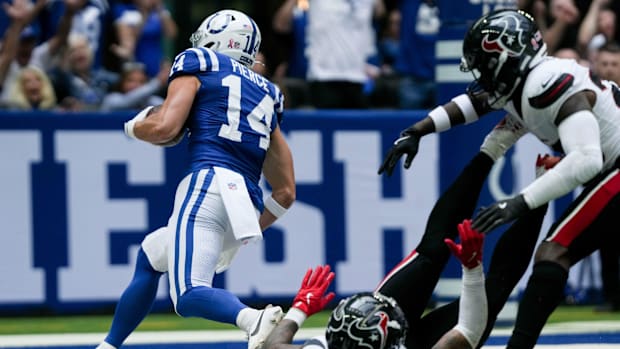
(267, 320)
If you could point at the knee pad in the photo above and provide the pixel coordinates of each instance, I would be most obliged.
(549, 274)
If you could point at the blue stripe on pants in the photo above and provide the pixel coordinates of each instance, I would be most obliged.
(189, 235)
(188, 195)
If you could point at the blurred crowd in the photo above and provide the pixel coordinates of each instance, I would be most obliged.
(108, 55)
(381, 53)
(84, 55)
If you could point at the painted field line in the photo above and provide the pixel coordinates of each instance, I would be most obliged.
(607, 329)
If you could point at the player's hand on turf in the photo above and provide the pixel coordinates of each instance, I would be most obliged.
(469, 251)
(407, 144)
(499, 213)
(311, 297)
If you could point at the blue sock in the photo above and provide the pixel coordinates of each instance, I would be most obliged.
(210, 303)
(135, 302)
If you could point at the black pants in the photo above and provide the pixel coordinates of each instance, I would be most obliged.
(586, 225)
(610, 273)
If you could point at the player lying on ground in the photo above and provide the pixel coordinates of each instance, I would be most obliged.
(375, 321)
(412, 281)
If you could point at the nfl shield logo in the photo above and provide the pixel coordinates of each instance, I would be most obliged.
(232, 186)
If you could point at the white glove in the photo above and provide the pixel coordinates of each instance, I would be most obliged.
(129, 125)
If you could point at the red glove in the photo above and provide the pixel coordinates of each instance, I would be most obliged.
(469, 251)
(543, 163)
(311, 297)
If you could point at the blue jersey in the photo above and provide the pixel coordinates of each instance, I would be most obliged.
(232, 117)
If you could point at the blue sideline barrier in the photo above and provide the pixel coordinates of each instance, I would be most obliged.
(78, 197)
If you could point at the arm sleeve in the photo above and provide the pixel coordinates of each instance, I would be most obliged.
(579, 134)
(473, 310)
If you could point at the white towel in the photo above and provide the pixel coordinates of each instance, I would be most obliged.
(239, 207)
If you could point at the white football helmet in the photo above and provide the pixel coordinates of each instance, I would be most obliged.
(231, 33)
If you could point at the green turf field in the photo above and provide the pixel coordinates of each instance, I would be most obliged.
(154, 322)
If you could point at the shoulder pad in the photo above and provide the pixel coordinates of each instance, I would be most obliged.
(193, 61)
(554, 88)
(547, 83)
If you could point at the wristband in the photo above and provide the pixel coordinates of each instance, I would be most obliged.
(440, 118)
(474, 275)
(467, 108)
(296, 315)
(129, 125)
(274, 207)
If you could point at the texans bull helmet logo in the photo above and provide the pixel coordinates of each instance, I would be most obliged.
(368, 333)
(505, 35)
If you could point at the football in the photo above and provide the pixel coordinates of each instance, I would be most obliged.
(176, 140)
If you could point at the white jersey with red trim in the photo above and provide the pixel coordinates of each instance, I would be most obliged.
(549, 85)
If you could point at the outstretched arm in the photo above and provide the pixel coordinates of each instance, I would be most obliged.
(21, 13)
(473, 310)
(580, 139)
(171, 30)
(283, 19)
(310, 299)
(59, 40)
(462, 109)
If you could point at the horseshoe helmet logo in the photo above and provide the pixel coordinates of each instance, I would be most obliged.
(218, 23)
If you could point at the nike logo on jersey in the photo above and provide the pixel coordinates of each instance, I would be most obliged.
(553, 92)
(544, 84)
(502, 205)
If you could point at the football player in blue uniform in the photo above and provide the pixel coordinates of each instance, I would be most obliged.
(231, 116)
(565, 106)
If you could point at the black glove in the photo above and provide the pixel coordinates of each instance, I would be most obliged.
(406, 144)
(499, 213)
